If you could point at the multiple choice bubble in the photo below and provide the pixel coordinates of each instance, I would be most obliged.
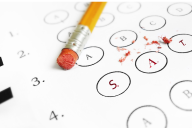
(129, 7)
(90, 56)
(55, 17)
(113, 84)
(123, 38)
(105, 19)
(181, 95)
(147, 116)
(179, 9)
(152, 23)
(151, 62)
(65, 34)
(181, 43)
(82, 6)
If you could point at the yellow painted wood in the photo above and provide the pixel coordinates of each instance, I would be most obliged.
(92, 14)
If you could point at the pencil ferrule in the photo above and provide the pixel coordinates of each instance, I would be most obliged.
(78, 39)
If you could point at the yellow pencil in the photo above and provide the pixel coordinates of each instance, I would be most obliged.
(77, 41)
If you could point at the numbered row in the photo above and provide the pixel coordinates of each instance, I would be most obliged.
(147, 62)
(116, 83)
(180, 42)
(59, 16)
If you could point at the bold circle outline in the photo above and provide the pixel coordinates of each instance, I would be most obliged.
(152, 16)
(110, 73)
(128, 12)
(95, 62)
(177, 51)
(171, 98)
(120, 31)
(179, 3)
(150, 72)
(148, 106)
(55, 11)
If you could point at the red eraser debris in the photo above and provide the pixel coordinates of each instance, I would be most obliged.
(145, 38)
(67, 59)
(155, 42)
(166, 40)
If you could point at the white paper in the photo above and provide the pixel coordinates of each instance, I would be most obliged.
(150, 89)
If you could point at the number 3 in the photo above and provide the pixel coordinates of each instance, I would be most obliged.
(36, 80)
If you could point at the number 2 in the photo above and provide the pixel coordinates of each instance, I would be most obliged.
(22, 54)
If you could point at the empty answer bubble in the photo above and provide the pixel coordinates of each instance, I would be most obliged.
(105, 19)
(147, 117)
(113, 84)
(181, 95)
(56, 17)
(179, 9)
(181, 43)
(151, 62)
(152, 23)
(90, 56)
(65, 33)
(123, 38)
(82, 6)
(128, 7)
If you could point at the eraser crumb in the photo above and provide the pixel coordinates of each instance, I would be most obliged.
(155, 42)
(148, 43)
(128, 53)
(166, 40)
(121, 49)
(145, 38)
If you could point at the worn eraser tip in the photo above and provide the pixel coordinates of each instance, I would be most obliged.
(67, 59)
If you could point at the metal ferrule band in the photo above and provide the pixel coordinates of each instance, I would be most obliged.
(78, 39)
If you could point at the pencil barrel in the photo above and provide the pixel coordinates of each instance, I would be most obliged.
(78, 39)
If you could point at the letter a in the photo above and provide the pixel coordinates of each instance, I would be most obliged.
(145, 122)
(152, 62)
